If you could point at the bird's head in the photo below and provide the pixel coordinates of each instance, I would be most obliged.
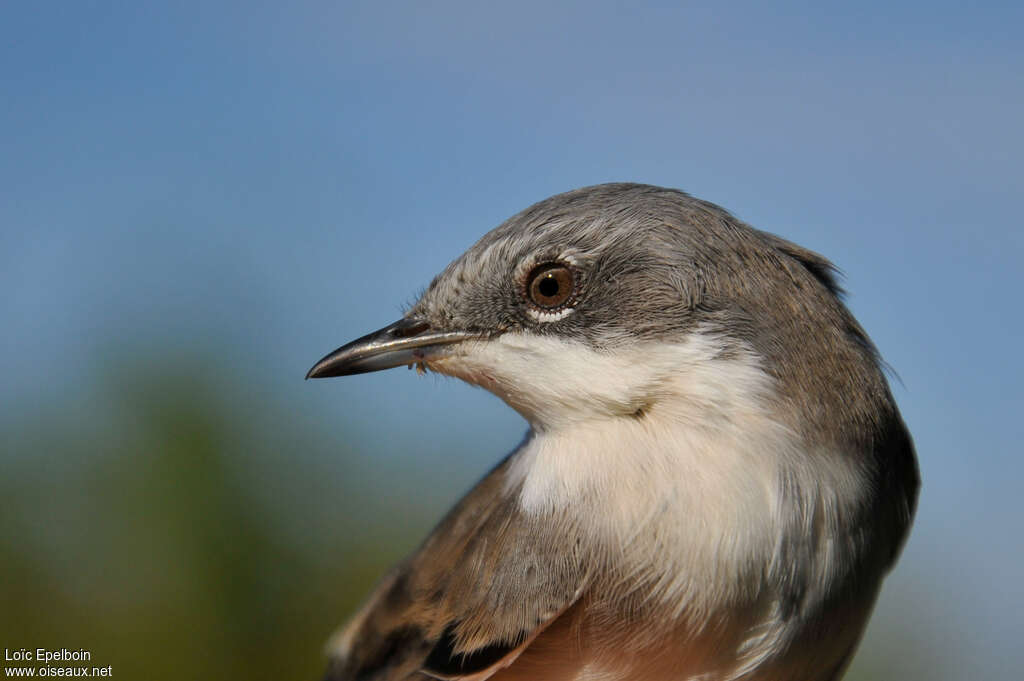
(593, 303)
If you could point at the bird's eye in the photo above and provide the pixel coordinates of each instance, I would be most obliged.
(550, 285)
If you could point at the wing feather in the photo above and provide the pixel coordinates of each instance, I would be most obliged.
(484, 583)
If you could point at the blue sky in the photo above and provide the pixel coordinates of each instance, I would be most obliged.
(265, 181)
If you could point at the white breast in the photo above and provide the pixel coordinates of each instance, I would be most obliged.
(675, 458)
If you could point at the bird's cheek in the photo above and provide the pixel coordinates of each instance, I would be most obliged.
(501, 381)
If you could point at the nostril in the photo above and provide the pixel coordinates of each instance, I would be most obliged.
(410, 328)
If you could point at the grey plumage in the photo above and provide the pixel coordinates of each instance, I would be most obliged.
(505, 580)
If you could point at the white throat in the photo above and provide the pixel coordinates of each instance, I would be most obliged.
(668, 445)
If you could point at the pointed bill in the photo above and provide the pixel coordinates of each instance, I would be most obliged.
(407, 341)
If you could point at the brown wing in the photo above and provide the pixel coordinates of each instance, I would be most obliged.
(485, 582)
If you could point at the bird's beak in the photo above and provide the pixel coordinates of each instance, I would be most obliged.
(406, 342)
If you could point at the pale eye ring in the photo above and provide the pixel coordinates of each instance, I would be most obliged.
(551, 286)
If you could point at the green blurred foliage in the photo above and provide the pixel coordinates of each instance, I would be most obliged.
(179, 522)
(164, 522)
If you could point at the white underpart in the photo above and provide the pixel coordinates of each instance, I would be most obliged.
(691, 489)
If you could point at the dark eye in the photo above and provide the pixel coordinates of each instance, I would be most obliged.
(550, 285)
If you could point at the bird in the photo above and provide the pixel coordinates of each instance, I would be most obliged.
(715, 480)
